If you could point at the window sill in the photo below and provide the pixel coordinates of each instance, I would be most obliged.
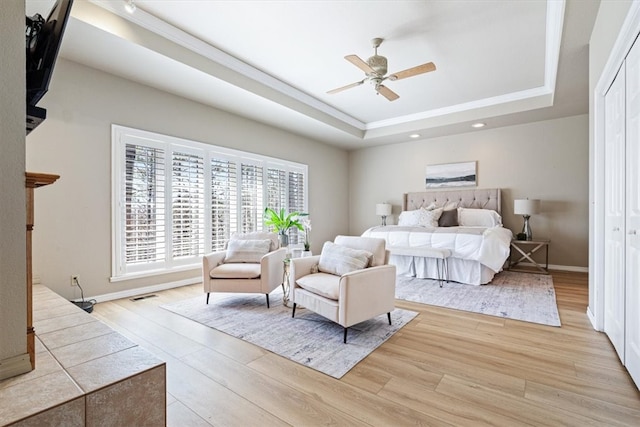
(153, 273)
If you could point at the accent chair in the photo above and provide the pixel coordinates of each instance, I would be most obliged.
(349, 282)
(252, 263)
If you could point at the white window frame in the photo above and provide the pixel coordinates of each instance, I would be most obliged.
(121, 136)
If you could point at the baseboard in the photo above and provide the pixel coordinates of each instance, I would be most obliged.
(592, 318)
(16, 365)
(559, 267)
(569, 268)
(144, 290)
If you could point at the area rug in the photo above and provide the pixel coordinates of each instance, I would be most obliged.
(308, 339)
(520, 296)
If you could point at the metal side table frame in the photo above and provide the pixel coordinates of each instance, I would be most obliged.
(534, 246)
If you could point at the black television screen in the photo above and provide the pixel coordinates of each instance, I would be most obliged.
(43, 39)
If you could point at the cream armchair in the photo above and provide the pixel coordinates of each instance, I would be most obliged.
(341, 285)
(252, 263)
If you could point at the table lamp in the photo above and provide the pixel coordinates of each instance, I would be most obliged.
(383, 210)
(526, 208)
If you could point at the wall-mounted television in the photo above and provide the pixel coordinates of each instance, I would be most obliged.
(43, 40)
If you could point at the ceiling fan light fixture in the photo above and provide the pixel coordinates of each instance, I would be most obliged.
(478, 125)
(375, 70)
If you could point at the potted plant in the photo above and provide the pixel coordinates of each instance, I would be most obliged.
(282, 222)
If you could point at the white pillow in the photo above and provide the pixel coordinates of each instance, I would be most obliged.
(241, 250)
(339, 260)
(423, 217)
(430, 218)
(258, 235)
(409, 218)
(478, 218)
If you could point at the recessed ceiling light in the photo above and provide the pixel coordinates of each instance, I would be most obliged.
(478, 125)
(130, 6)
(414, 135)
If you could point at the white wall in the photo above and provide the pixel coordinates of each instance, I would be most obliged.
(73, 217)
(13, 276)
(544, 160)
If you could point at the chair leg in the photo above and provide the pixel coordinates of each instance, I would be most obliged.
(267, 300)
(345, 335)
(293, 312)
(389, 317)
(207, 297)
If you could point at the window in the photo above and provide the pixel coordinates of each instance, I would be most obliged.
(175, 200)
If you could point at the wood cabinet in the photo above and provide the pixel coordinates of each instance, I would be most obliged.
(33, 181)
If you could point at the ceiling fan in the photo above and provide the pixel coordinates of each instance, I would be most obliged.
(376, 67)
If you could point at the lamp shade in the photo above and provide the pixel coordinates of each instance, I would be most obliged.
(383, 209)
(526, 206)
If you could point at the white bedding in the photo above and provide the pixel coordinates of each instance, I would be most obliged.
(488, 246)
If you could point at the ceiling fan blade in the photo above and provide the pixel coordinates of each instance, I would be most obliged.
(340, 89)
(420, 69)
(355, 60)
(387, 93)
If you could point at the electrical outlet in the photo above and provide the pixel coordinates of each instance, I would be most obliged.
(75, 279)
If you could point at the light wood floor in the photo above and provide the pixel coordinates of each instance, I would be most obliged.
(446, 367)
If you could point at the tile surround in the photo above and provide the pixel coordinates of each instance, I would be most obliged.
(62, 322)
(81, 363)
(70, 414)
(74, 334)
(37, 395)
(136, 398)
(94, 348)
(110, 369)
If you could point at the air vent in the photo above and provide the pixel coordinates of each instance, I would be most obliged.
(140, 298)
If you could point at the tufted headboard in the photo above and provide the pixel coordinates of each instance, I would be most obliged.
(472, 198)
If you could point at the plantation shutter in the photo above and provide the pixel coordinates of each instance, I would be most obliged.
(144, 211)
(276, 189)
(251, 203)
(187, 205)
(296, 200)
(224, 218)
(174, 200)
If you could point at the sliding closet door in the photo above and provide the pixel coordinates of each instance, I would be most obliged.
(632, 341)
(614, 267)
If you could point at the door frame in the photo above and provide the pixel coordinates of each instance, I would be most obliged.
(628, 33)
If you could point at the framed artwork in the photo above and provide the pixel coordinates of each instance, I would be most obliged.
(451, 175)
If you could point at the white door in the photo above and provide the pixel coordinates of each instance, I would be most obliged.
(614, 263)
(632, 335)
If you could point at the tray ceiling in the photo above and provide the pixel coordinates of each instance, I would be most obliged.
(499, 62)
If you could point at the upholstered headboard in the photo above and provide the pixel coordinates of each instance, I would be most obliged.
(471, 198)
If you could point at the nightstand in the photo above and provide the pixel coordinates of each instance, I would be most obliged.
(525, 250)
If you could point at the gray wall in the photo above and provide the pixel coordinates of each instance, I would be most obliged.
(544, 160)
(13, 277)
(73, 216)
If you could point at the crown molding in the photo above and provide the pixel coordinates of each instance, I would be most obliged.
(186, 40)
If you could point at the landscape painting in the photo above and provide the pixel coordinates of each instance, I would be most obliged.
(451, 175)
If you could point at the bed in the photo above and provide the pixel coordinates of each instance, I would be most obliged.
(478, 243)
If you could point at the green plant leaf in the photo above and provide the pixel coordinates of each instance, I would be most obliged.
(281, 221)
